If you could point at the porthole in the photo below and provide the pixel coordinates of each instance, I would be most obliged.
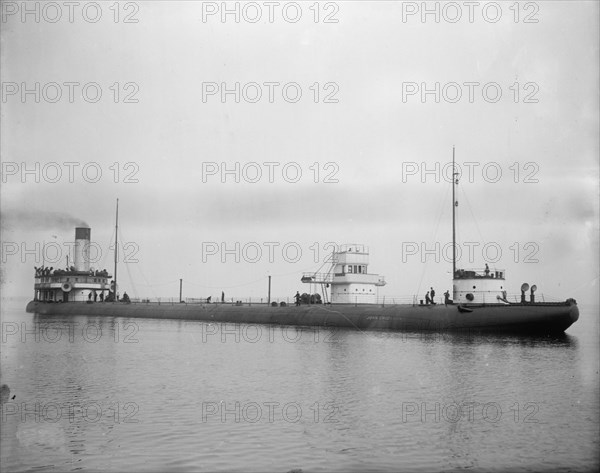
(470, 297)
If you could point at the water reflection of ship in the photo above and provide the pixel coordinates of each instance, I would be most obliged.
(350, 298)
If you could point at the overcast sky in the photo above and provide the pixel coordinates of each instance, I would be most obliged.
(362, 128)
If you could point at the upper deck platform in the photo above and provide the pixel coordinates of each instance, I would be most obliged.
(43, 272)
(353, 248)
(45, 276)
(485, 273)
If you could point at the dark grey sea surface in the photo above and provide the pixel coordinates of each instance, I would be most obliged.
(165, 395)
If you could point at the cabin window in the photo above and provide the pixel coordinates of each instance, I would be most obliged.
(360, 269)
(355, 269)
(349, 268)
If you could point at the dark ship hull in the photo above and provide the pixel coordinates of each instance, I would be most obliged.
(526, 318)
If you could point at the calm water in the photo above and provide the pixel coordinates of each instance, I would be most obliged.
(162, 395)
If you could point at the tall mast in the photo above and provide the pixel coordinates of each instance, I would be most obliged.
(454, 204)
(116, 247)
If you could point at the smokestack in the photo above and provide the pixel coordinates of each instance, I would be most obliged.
(82, 249)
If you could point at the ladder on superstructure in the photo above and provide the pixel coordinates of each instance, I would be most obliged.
(323, 278)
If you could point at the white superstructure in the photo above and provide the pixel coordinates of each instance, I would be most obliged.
(348, 279)
(479, 286)
(75, 283)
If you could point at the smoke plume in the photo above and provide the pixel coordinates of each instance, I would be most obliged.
(38, 220)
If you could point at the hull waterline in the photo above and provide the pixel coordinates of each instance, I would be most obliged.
(538, 318)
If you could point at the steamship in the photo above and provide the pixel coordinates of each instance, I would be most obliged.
(78, 282)
(349, 298)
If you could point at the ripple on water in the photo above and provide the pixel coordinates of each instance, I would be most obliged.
(362, 397)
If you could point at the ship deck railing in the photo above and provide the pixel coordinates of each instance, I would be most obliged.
(317, 278)
(353, 248)
(387, 300)
(479, 273)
